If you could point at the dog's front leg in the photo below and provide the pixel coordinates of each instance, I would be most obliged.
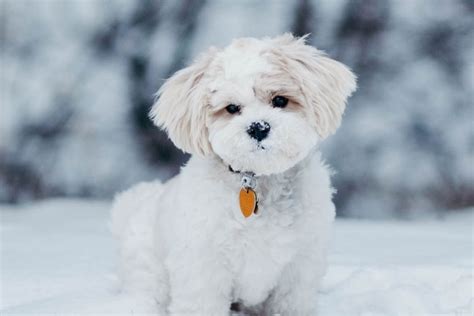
(296, 292)
(199, 284)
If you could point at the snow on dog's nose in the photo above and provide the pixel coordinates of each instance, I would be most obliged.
(259, 130)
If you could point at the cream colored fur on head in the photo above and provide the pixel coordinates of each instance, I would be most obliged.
(325, 83)
(186, 248)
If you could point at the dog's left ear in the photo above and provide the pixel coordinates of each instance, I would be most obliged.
(325, 83)
(181, 107)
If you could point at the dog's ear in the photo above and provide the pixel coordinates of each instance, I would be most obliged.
(180, 108)
(325, 83)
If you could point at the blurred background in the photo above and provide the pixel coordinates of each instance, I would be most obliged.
(78, 78)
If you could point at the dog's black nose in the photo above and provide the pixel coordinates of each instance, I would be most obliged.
(258, 130)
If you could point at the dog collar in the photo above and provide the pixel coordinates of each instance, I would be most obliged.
(248, 200)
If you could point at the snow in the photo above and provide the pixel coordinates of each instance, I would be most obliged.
(401, 268)
(57, 256)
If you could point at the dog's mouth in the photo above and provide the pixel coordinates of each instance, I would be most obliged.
(259, 148)
(260, 157)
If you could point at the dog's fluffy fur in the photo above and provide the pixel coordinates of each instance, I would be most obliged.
(186, 242)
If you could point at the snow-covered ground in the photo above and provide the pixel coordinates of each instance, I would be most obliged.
(58, 257)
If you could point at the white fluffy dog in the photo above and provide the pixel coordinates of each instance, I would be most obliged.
(252, 115)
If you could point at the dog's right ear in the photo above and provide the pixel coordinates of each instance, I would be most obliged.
(180, 107)
(325, 82)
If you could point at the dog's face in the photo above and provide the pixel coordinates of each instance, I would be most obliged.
(260, 105)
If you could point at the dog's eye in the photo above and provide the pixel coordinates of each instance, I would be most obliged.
(279, 101)
(232, 108)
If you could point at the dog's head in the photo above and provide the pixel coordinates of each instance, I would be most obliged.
(260, 105)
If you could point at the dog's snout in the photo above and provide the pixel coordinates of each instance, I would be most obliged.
(258, 130)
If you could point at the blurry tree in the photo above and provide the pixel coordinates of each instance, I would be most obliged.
(303, 21)
(79, 77)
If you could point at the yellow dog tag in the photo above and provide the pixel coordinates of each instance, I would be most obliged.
(248, 201)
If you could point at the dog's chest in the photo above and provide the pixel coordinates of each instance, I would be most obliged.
(262, 248)
(258, 261)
